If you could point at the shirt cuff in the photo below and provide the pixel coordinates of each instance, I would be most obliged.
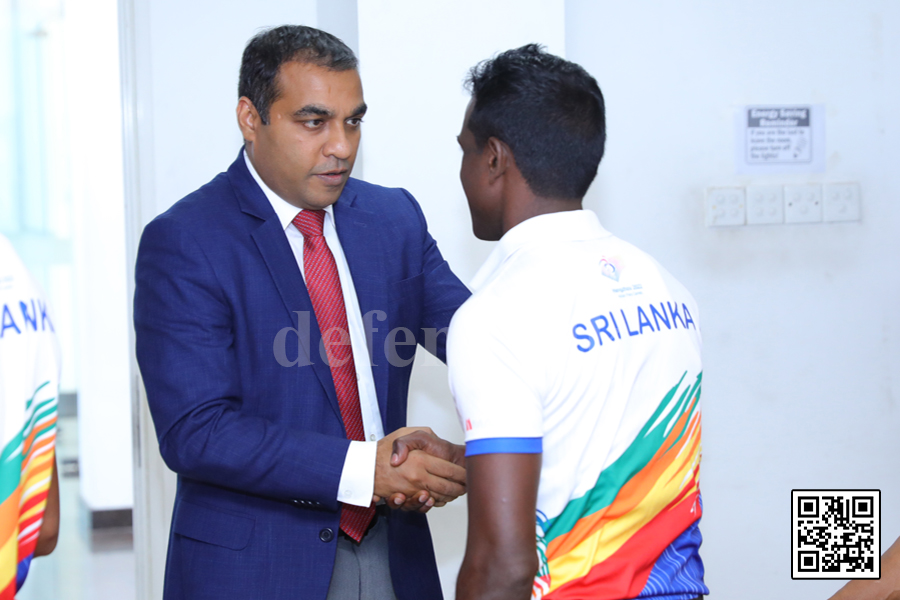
(358, 476)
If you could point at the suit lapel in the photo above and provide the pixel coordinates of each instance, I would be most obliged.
(362, 242)
(276, 252)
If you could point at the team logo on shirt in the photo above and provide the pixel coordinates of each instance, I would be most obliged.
(611, 267)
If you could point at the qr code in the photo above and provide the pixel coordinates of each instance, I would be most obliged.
(836, 534)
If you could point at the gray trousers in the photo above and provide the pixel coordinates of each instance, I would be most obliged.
(361, 571)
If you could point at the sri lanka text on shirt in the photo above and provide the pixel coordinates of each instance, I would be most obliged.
(616, 324)
(28, 316)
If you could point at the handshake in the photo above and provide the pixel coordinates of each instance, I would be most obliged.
(417, 470)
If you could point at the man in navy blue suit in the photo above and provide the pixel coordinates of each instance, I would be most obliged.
(277, 311)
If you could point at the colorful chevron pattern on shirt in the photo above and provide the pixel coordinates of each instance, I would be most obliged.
(634, 534)
(26, 466)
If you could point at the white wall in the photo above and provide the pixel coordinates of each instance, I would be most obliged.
(93, 110)
(800, 322)
(414, 57)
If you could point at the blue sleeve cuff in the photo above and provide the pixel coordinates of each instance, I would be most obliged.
(505, 446)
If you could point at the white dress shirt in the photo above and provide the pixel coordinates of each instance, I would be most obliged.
(358, 475)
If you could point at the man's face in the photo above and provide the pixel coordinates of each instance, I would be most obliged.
(484, 206)
(306, 152)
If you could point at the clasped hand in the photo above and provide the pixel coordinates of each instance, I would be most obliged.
(416, 470)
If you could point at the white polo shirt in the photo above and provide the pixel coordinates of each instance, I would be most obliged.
(580, 346)
(29, 382)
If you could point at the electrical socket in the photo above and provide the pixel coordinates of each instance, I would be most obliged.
(725, 206)
(765, 204)
(803, 203)
(841, 203)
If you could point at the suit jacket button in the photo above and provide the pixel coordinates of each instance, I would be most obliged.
(326, 535)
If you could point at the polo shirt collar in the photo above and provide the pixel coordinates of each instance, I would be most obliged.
(284, 210)
(567, 226)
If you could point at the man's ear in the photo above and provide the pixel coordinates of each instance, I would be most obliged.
(248, 119)
(499, 157)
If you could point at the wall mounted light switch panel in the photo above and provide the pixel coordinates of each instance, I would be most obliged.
(841, 202)
(765, 204)
(725, 206)
(803, 203)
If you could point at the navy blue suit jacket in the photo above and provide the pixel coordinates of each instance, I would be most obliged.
(259, 447)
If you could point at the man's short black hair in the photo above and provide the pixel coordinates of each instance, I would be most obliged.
(270, 49)
(549, 111)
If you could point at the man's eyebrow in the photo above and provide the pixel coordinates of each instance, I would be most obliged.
(314, 110)
(320, 111)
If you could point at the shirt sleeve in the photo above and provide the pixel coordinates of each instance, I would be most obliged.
(499, 405)
(358, 475)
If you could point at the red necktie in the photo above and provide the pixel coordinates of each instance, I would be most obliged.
(324, 287)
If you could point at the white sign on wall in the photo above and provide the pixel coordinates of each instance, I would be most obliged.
(780, 139)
